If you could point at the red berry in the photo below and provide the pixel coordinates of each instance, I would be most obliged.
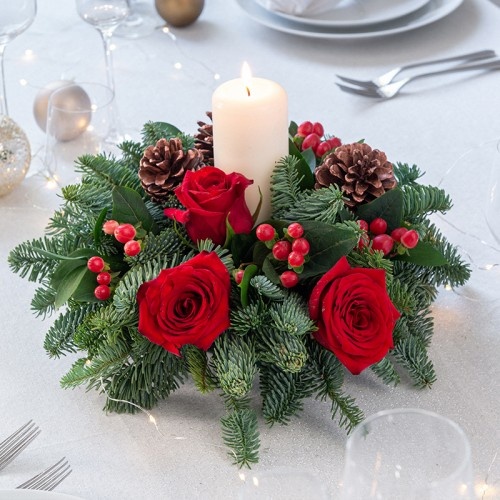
(104, 278)
(378, 226)
(295, 259)
(289, 279)
(409, 239)
(102, 292)
(109, 226)
(124, 233)
(132, 248)
(335, 142)
(281, 249)
(238, 275)
(301, 245)
(295, 230)
(397, 233)
(384, 243)
(311, 141)
(363, 224)
(318, 129)
(323, 148)
(265, 232)
(96, 264)
(363, 241)
(305, 128)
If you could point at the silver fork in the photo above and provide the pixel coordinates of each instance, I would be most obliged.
(387, 78)
(48, 479)
(12, 446)
(392, 89)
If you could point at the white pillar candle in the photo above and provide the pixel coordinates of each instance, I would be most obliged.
(250, 132)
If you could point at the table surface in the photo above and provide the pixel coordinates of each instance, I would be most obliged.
(438, 124)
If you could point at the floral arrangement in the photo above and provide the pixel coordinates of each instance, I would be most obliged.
(159, 273)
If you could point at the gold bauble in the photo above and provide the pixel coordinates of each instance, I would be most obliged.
(15, 155)
(179, 13)
(70, 125)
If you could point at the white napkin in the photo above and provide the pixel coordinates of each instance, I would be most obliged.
(299, 7)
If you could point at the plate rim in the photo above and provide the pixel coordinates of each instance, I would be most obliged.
(436, 10)
(309, 21)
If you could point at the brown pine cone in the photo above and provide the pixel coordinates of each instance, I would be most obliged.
(361, 173)
(163, 166)
(204, 141)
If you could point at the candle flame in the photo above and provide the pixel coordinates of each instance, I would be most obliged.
(246, 76)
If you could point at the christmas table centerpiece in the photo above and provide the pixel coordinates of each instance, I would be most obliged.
(159, 271)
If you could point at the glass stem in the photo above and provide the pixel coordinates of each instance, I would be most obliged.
(3, 95)
(108, 59)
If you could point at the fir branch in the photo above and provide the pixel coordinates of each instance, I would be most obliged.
(292, 316)
(282, 394)
(44, 300)
(35, 260)
(132, 152)
(422, 200)
(386, 371)
(235, 361)
(285, 186)
(406, 175)
(322, 205)
(265, 288)
(286, 351)
(412, 354)
(87, 196)
(222, 253)
(248, 319)
(59, 338)
(199, 368)
(241, 435)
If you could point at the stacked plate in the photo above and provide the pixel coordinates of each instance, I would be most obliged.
(354, 19)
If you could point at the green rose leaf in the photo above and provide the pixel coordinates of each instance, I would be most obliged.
(389, 206)
(303, 167)
(424, 254)
(128, 207)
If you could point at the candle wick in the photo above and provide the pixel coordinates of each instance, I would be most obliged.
(248, 91)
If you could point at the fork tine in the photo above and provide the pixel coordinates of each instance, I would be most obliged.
(12, 446)
(358, 91)
(352, 81)
(48, 479)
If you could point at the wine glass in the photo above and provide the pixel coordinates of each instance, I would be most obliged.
(105, 16)
(140, 22)
(407, 453)
(15, 17)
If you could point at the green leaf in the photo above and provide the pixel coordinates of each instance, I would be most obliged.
(292, 128)
(269, 270)
(250, 272)
(424, 254)
(69, 285)
(128, 207)
(310, 157)
(389, 206)
(305, 173)
(98, 226)
(77, 259)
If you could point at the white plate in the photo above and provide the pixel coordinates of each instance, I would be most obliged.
(353, 13)
(34, 495)
(433, 11)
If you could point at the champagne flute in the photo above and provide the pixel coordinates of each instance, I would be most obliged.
(140, 22)
(407, 453)
(105, 16)
(15, 17)
(493, 201)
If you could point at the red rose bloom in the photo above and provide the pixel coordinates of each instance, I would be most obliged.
(210, 196)
(187, 304)
(354, 315)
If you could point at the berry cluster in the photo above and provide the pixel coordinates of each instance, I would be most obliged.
(292, 249)
(124, 233)
(311, 135)
(376, 237)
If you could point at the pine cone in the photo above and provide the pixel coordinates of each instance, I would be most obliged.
(361, 173)
(204, 141)
(163, 166)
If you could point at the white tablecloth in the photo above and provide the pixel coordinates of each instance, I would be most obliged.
(431, 124)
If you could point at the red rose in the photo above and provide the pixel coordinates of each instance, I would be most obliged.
(354, 315)
(210, 196)
(187, 304)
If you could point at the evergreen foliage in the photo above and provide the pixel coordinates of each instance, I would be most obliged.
(271, 334)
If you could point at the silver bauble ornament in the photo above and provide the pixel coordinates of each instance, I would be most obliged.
(15, 155)
(179, 13)
(70, 99)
